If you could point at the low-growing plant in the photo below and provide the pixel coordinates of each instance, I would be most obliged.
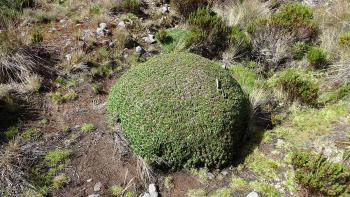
(59, 181)
(178, 39)
(152, 127)
(56, 97)
(186, 7)
(54, 157)
(162, 36)
(70, 96)
(88, 127)
(95, 9)
(344, 39)
(11, 132)
(96, 88)
(297, 85)
(30, 133)
(320, 176)
(317, 58)
(132, 6)
(117, 190)
(335, 95)
(37, 37)
(240, 39)
(299, 50)
(169, 182)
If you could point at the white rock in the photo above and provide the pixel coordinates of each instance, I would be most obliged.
(103, 25)
(62, 21)
(154, 194)
(139, 50)
(94, 195)
(146, 195)
(89, 180)
(68, 57)
(97, 187)
(121, 25)
(253, 194)
(165, 9)
(152, 188)
(52, 30)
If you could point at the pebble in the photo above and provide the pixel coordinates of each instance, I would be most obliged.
(253, 194)
(165, 9)
(139, 50)
(89, 180)
(97, 187)
(150, 39)
(121, 25)
(94, 195)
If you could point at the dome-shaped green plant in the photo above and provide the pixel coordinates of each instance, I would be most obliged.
(181, 109)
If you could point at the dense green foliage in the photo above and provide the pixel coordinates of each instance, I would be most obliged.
(299, 50)
(171, 108)
(344, 39)
(321, 176)
(317, 58)
(209, 32)
(297, 85)
(240, 39)
(185, 7)
(162, 36)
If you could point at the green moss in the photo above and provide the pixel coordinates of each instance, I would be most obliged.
(317, 174)
(56, 156)
(297, 84)
(201, 174)
(238, 183)
(30, 134)
(196, 193)
(317, 57)
(177, 39)
(60, 181)
(344, 39)
(265, 189)
(223, 192)
(88, 127)
(170, 107)
(11, 132)
(263, 166)
(117, 190)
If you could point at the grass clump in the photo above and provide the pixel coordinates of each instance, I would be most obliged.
(335, 95)
(239, 39)
(132, 6)
(11, 132)
(60, 181)
(262, 165)
(177, 39)
(30, 134)
(186, 7)
(209, 32)
(344, 39)
(37, 37)
(320, 176)
(117, 190)
(54, 157)
(88, 127)
(182, 108)
(169, 182)
(162, 36)
(297, 85)
(317, 58)
(299, 50)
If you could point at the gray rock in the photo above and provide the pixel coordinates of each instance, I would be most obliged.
(210, 176)
(253, 194)
(165, 9)
(150, 39)
(154, 194)
(102, 29)
(146, 195)
(97, 187)
(152, 188)
(94, 195)
(139, 50)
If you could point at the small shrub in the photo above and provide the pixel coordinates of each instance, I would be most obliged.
(164, 114)
(297, 85)
(88, 127)
(299, 50)
(11, 132)
(56, 156)
(240, 39)
(344, 39)
(186, 7)
(132, 6)
(162, 36)
(320, 176)
(209, 32)
(60, 181)
(37, 37)
(117, 190)
(294, 15)
(317, 58)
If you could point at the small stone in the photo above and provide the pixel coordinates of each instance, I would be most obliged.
(210, 176)
(89, 180)
(154, 194)
(103, 25)
(62, 21)
(121, 25)
(150, 39)
(165, 9)
(68, 57)
(139, 50)
(253, 194)
(94, 195)
(152, 188)
(97, 187)
(52, 30)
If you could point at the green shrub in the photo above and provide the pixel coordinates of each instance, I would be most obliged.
(297, 85)
(170, 108)
(30, 134)
(294, 15)
(299, 50)
(209, 32)
(117, 190)
(318, 175)
(344, 39)
(240, 39)
(317, 58)
(186, 7)
(37, 37)
(11, 132)
(60, 181)
(132, 6)
(162, 36)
